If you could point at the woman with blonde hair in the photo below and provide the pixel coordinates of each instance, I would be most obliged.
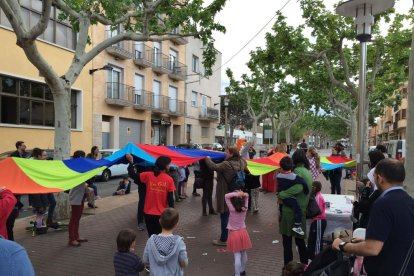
(314, 163)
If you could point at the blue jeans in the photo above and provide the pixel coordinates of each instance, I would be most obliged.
(140, 212)
(52, 205)
(294, 205)
(224, 218)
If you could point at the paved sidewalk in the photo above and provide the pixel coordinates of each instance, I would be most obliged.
(50, 254)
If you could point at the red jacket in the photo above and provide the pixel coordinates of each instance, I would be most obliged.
(7, 202)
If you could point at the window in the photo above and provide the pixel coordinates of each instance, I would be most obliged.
(195, 64)
(173, 64)
(404, 113)
(114, 85)
(194, 99)
(24, 102)
(58, 31)
(204, 131)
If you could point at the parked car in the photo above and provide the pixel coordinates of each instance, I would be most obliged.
(114, 170)
(6, 154)
(213, 146)
(188, 146)
(396, 149)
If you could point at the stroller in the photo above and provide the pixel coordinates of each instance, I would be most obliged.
(329, 263)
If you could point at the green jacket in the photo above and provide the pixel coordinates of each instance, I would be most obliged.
(285, 226)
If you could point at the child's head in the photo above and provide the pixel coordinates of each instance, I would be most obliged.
(293, 268)
(125, 179)
(316, 186)
(286, 164)
(126, 240)
(169, 218)
(238, 203)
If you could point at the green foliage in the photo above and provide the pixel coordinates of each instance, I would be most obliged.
(328, 126)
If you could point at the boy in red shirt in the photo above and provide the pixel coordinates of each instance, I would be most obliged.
(159, 192)
(7, 202)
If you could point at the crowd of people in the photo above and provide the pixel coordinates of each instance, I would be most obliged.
(384, 209)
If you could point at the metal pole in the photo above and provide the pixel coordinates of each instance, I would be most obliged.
(362, 99)
(225, 127)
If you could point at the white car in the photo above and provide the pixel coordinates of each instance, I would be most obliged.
(114, 170)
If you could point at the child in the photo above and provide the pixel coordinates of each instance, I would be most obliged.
(124, 187)
(166, 253)
(126, 262)
(252, 186)
(317, 228)
(238, 240)
(293, 268)
(182, 184)
(287, 179)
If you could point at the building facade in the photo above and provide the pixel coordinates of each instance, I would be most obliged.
(140, 98)
(392, 125)
(26, 103)
(202, 96)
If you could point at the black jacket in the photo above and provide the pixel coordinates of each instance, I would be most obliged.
(252, 181)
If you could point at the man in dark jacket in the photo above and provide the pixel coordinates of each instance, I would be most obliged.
(20, 150)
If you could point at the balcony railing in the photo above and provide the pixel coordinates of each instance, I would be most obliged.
(121, 50)
(142, 55)
(159, 62)
(159, 103)
(176, 107)
(178, 70)
(119, 94)
(179, 40)
(208, 113)
(142, 99)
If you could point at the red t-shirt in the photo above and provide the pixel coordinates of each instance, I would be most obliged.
(158, 188)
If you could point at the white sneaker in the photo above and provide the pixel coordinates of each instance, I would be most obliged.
(98, 197)
(298, 230)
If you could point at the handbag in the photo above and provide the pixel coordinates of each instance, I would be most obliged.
(312, 210)
(199, 183)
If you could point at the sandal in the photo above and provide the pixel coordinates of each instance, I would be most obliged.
(74, 243)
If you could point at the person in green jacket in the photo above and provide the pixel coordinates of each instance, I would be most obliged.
(301, 165)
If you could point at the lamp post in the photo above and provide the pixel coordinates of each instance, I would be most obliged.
(226, 102)
(363, 11)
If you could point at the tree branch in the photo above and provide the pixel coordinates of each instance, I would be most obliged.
(344, 62)
(41, 26)
(12, 11)
(346, 120)
(61, 4)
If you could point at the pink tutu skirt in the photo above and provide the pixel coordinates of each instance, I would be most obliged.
(238, 240)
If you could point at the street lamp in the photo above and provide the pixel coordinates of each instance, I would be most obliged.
(105, 67)
(363, 11)
(226, 101)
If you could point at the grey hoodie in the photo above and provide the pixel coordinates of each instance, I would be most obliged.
(164, 253)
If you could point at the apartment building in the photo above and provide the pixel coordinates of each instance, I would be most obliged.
(202, 97)
(392, 125)
(26, 103)
(139, 95)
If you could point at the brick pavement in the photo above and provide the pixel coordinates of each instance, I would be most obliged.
(50, 254)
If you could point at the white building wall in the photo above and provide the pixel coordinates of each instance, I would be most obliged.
(209, 87)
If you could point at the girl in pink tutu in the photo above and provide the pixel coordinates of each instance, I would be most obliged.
(238, 241)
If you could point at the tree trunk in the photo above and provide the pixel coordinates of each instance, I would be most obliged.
(254, 129)
(230, 138)
(354, 132)
(275, 129)
(287, 135)
(409, 159)
(62, 142)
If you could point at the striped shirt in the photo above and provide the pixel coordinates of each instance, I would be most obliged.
(127, 264)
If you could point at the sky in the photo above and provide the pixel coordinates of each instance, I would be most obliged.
(243, 19)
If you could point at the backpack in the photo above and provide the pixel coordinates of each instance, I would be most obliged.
(312, 210)
(238, 180)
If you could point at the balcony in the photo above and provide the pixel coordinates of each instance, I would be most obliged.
(121, 50)
(119, 94)
(402, 123)
(178, 70)
(208, 114)
(142, 55)
(176, 107)
(178, 40)
(159, 104)
(159, 63)
(142, 99)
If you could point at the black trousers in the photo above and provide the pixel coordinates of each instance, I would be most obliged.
(335, 183)
(287, 249)
(153, 224)
(315, 239)
(142, 189)
(207, 195)
(10, 223)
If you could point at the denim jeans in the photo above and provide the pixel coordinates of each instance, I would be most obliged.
(52, 206)
(141, 194)
(224, 218)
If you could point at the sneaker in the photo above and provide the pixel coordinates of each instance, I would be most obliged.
(141, 226)
(298, 230)
(219, 243)
(98, 197)
(196, 194)
(256, 211)
(41, 231)
(147, 269)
